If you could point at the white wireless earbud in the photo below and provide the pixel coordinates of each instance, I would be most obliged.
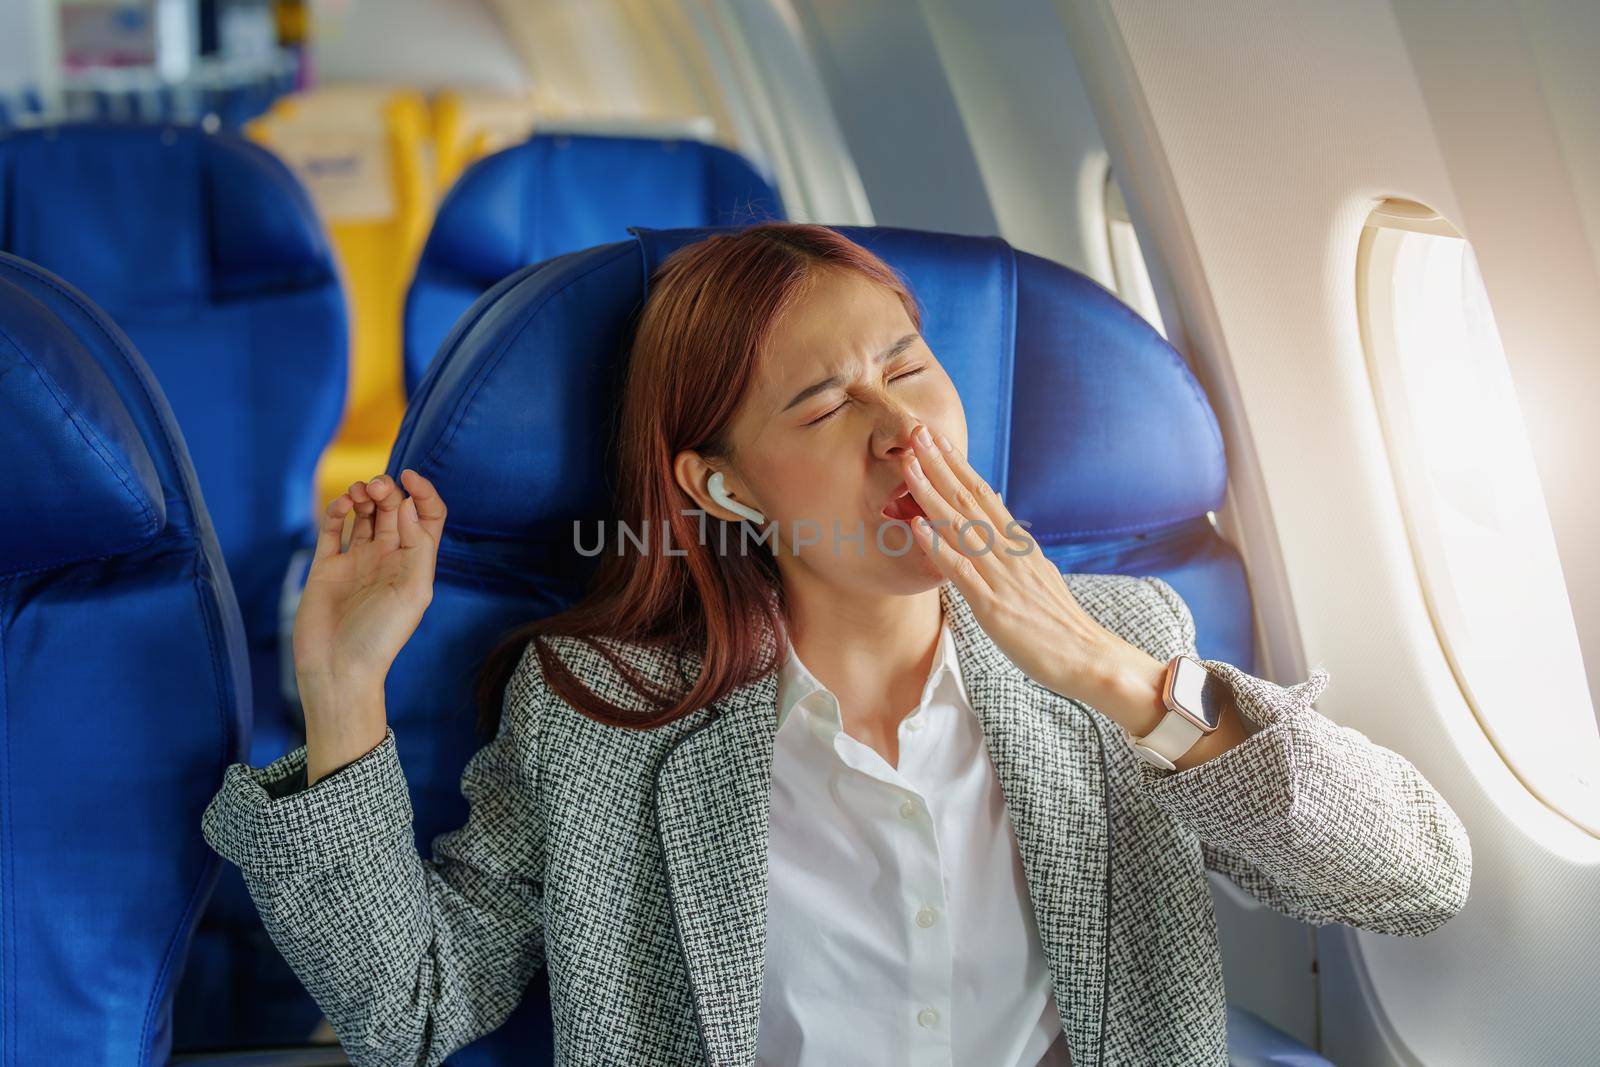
(719, 493)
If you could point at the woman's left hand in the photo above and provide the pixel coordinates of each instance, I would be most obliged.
(1016, 593)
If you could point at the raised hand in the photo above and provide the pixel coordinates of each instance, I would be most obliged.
(1017, 594)
(361, 604)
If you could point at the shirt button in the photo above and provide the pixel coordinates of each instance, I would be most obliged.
(928, 1017)
(908, 810)
(914, 723)
(926, 917)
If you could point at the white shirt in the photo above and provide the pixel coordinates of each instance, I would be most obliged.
(899, 929)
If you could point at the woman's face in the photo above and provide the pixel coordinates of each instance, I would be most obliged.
(821, 441)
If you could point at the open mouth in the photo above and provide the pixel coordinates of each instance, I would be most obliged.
(903, 506)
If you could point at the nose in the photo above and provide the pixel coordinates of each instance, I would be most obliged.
(895, 429)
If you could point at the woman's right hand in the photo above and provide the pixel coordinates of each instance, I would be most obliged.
(359, 607)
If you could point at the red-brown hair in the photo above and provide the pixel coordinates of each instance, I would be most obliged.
(696, 349)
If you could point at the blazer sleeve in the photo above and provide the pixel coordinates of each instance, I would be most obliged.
(1312, 818)
(409, 958)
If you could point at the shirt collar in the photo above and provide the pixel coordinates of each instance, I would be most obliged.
(796, 683)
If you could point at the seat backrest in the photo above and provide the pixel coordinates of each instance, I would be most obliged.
(1077, 411)
(126, 688)
(559, 192)
(205, 249)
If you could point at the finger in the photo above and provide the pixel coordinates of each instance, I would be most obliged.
(365, 509)
(943, 476)
(386, 523)
(331, 532)
(989, 503)
(430, 505)
(974, 541)
(411, 535)
(954, 565)
(970, 528)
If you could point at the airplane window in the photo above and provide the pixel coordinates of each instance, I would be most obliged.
(1127, 260)
(1473, 504)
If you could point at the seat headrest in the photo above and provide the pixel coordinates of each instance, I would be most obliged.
(1068, 393)
(96, 464)
(560, 192)
(205, 213)
(80, 481)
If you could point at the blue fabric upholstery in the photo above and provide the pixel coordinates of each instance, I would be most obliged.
(1077, 411)
(1252, 1042)
(558, 193)
(126, 686)
(207, 251)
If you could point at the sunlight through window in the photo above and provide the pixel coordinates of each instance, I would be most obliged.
(1473, 503)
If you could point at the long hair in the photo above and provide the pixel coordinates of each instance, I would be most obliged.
(696, 349)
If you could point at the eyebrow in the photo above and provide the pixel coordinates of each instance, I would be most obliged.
(832, 380)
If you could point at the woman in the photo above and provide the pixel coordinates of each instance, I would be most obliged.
(852, 791)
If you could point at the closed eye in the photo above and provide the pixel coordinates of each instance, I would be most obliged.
(834, 411)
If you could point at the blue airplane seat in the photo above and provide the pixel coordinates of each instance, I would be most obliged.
(207, 252)
(126, 686)
(512, 422)
(561, 192)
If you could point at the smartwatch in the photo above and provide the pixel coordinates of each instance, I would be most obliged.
(1194, 698)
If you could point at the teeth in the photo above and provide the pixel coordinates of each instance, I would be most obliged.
(903, 506)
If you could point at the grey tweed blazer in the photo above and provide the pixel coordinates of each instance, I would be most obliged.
(633, 863)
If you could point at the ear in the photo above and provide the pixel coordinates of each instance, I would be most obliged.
(691, 471)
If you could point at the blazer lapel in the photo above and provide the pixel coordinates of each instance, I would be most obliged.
(1046, 754)
(713, 792)
(713, 795)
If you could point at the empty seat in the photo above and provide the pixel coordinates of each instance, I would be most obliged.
(1077, 411)
(206, 251)
(557, 193)
(126, 686)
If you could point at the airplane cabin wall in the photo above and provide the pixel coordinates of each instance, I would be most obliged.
(978, 122)
(899, 117)
(1036, 139)
(1561, 36)
(767, 75)
(421, 44)
(1252, 141)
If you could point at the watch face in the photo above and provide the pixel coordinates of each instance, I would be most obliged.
(1199, 692)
